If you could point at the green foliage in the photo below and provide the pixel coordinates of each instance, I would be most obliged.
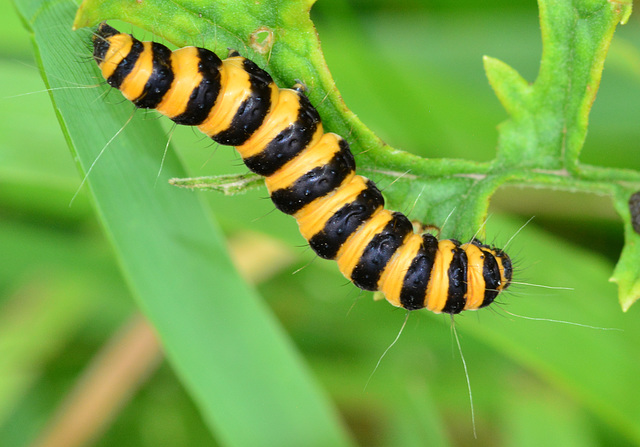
(221, 339)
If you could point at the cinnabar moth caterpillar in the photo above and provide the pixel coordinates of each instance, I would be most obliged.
(310, 174)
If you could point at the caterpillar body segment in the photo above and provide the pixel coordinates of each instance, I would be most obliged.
(310, 174)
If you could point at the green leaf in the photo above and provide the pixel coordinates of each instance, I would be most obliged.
(511, 88)
(219, 336)
(549, 119)
(545, 134)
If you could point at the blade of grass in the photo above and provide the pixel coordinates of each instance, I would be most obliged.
(223, 342)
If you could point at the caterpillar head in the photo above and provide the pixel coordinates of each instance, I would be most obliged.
(497, 271)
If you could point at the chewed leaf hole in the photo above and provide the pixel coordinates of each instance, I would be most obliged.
(262, 39)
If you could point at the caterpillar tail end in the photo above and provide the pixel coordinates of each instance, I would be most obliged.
(100, 41)
(104, 31)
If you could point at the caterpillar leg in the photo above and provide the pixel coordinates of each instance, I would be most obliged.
(300, 87)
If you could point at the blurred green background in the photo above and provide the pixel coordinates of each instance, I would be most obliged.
(412, 71)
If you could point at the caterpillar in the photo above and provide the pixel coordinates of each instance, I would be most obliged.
(309, 174)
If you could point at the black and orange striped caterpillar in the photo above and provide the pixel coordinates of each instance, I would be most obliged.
(310, 174)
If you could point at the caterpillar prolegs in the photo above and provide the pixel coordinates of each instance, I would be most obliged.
(310, 174)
